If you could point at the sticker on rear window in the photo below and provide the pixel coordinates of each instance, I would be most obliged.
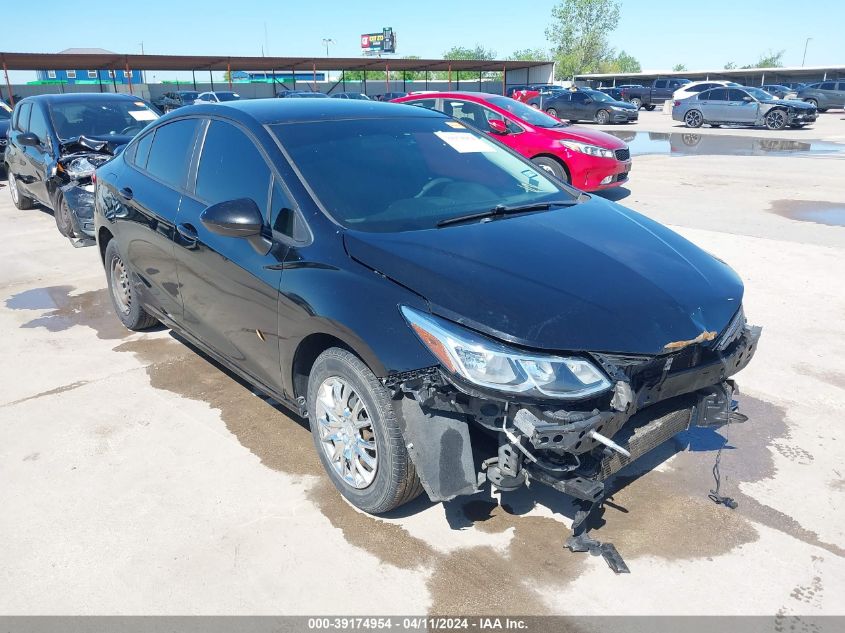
(465, 142)
(143, 115)
(455, 124)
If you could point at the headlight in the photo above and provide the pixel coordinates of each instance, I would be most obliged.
(488, 363)
(590, 150)
(84, 166)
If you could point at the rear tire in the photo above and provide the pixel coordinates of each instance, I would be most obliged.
(551, 166)
(693, 118)
(64, 222)
(20, 201)
(356, 412)
(650, 108)
(813, 103)
(602, 117)
(637, 102)
(125, 304)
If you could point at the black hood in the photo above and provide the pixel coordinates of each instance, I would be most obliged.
(108, 144)
(792, 103)
(593, 277)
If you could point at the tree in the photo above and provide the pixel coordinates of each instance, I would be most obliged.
(621, 63)
(730, 66)
(679, 68)
(410, 75)
(462, 52)
(578, 34)
(771, 59)
(530, 55)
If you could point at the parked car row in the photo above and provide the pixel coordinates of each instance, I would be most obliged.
(405, 278)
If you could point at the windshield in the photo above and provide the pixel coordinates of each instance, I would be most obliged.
(228, 96)
(761, 95)
(122, 117)
(595, 95)
(532, 116)
(405, 174)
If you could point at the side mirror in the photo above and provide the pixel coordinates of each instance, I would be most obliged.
(237, 218)
(498, 126)
(28, 138)
(747, 99)
(588, 100)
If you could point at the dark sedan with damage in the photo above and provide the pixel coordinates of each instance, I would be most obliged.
(443, 311)
(56, 142)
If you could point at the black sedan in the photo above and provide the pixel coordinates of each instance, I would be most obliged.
(409, 284)
(587, 105)
(55, 144)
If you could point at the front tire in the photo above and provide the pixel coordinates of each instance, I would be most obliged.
(776, 119)
(602, 117)
(356, 434)
(20, 201)
(64, 222)
(551, 166)
(123, 299)
(693, 118)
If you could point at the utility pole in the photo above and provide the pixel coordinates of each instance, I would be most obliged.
(143, 72)
(803, 59)
(326, 42)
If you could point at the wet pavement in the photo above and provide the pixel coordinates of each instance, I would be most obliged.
(818, 212)
(695, 144)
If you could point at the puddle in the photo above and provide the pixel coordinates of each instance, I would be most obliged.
(65, 310)
(829, 213)
(691, 143)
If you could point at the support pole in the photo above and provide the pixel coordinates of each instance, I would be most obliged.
(194, 77)
(343, 79)
(129, 77)
(450, 76)
(8, 86)
(426, 78)
(114, 79)
(386, 77)
(100, 78)
(480, 76)
(504, 82)
(229, 74)
(211, 78)
(365, 82)
(314, 76)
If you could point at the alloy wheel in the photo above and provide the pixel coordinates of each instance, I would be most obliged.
(346, 432)
(13, 189)
(120, 289)
(693, 118)
(776, 120)
(601, 117)
(552, 112)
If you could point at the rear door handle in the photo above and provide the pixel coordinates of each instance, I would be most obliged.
(188, 233)
(126, 193)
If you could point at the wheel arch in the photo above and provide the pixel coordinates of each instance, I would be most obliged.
(104, 236)
(557, 159)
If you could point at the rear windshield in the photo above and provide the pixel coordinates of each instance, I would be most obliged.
(403, 174)
(122, 117)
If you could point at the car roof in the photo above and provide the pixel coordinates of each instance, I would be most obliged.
(267, 111)
(77, 97)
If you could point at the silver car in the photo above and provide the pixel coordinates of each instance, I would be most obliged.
(742, 106)
(824, 95)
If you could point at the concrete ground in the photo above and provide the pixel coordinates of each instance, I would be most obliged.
(137, 477)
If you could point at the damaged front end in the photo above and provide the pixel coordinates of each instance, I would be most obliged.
(573, 444)
(73, 176)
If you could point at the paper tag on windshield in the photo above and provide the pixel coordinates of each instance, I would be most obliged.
(143, 115)
(464, 142)
(455, 125)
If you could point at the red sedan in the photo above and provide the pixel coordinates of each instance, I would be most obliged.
(587, 159)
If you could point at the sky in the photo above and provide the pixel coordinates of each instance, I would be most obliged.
(658, 34)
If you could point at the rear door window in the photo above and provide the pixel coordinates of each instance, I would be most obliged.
(841, 85)
(716, 94)
(828, 85)
(660, 83)
(231, 167)
(171, 151)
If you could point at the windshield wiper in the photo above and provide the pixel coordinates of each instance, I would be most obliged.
(503, 209)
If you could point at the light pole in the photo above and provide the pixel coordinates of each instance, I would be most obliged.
(143, 73)
(326, 42)
(803, 59)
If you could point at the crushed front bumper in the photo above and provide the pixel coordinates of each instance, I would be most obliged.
(653, 399)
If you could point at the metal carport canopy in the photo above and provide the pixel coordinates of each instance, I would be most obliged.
(70, 61)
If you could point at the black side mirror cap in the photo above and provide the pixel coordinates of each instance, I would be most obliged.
(28, 138)
(239, 218)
